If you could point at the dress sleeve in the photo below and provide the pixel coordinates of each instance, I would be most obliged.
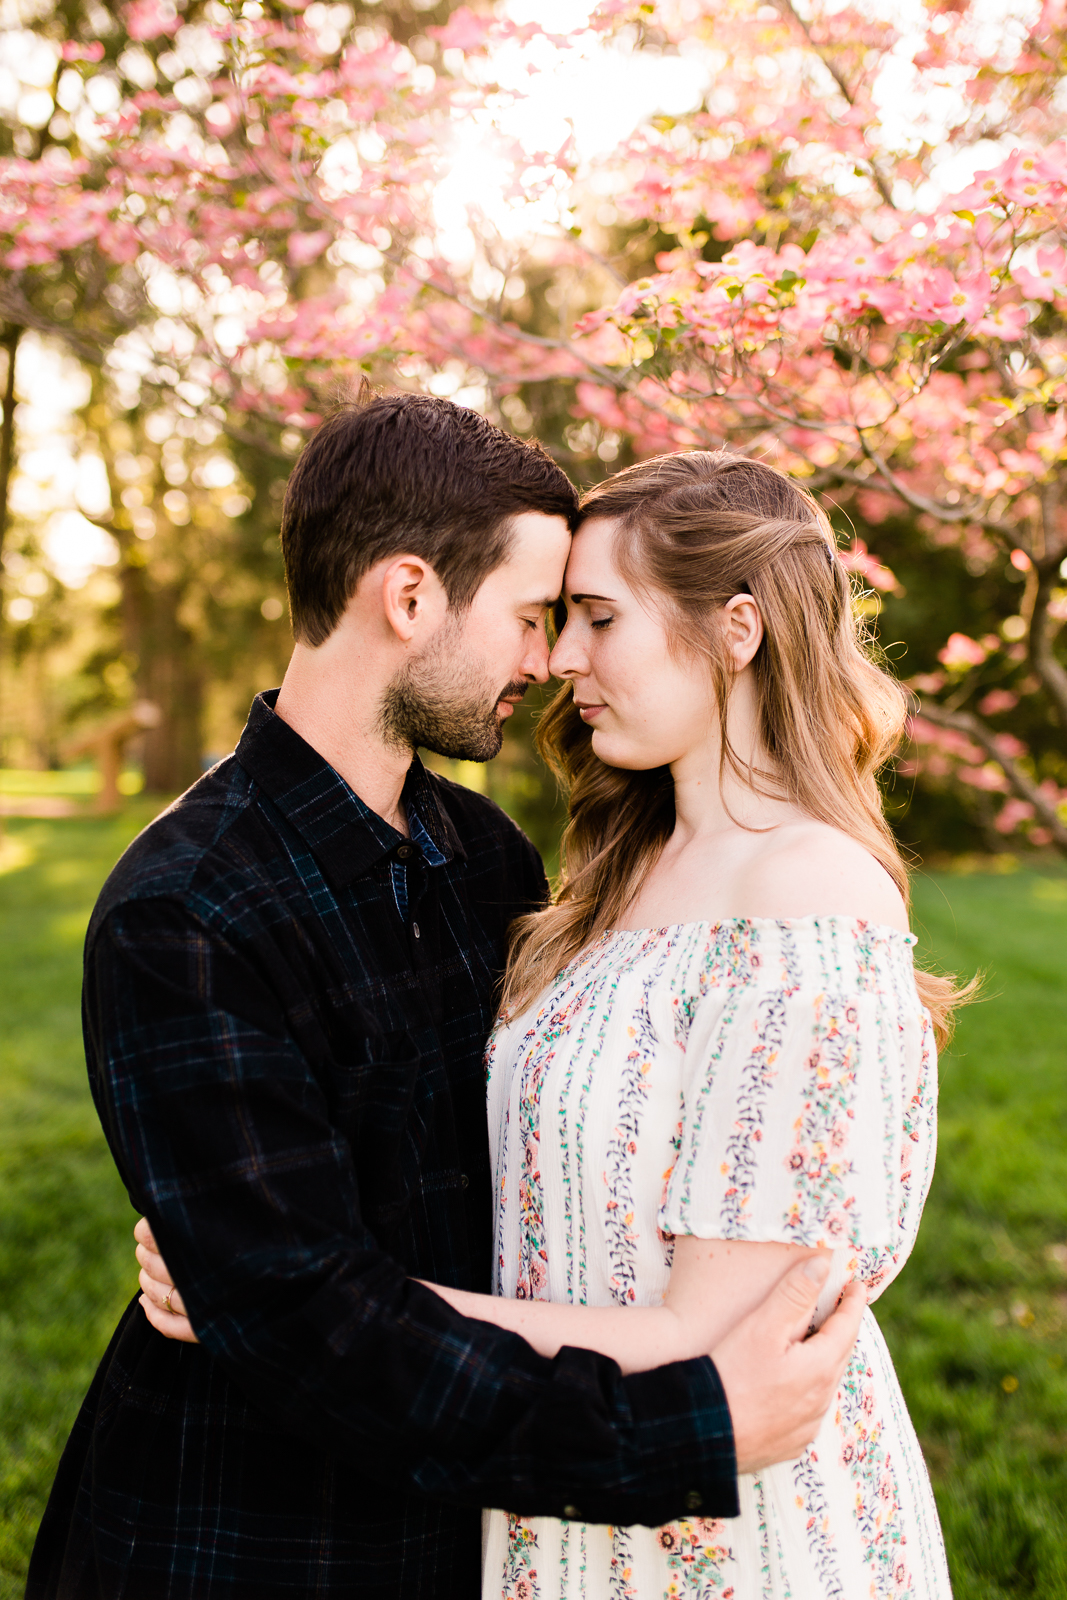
(807, 1113)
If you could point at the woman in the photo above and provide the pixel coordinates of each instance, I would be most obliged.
(713, 1055)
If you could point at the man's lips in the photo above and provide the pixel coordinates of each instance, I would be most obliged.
(506, 704)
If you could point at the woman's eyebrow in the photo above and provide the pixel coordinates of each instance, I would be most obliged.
(580, 599)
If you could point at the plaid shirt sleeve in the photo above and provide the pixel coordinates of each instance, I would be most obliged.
(225, 1139)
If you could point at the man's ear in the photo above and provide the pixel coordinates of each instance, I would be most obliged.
(413, 598)
(742, 624)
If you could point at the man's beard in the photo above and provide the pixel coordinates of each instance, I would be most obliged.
(442, 703)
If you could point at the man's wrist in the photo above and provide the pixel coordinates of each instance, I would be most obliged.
(677, 1451)
(687, 1436)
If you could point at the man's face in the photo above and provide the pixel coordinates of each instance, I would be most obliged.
(455, 696)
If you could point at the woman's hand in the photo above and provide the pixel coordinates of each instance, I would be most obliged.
(160, 1300)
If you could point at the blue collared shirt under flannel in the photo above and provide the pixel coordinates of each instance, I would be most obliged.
(286, 1003)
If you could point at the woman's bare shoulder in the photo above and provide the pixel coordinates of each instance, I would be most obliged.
(811, 869)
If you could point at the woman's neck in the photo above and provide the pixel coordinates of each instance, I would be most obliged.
(711, 796)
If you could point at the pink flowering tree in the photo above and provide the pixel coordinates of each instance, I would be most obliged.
(908, 348)
(847, 252)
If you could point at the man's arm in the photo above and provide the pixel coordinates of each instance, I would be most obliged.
(224, 1137)
(778, 1382)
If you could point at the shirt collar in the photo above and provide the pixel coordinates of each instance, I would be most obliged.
(343, 833)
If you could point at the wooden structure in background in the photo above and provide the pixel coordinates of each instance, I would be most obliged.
(106, 745)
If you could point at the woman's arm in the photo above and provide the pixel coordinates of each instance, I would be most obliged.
(713, 1285)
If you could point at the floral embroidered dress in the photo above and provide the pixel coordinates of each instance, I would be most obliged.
(749, 1079)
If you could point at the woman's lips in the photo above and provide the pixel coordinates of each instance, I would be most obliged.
(589, 712)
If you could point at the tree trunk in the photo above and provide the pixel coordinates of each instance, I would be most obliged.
(170, 675)
(9, 342)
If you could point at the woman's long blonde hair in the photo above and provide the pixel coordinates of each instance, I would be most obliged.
(695, 529)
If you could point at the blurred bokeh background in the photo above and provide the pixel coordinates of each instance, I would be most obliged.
(598, 226)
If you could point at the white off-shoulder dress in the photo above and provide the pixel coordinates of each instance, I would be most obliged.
(746, 1079)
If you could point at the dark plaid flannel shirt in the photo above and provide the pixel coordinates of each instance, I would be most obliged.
(286, 1003)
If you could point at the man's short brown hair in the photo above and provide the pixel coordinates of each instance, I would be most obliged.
(407, 474)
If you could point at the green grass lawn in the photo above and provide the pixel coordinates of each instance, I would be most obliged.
(76, 782)
(978, 1323)
(65, 1222)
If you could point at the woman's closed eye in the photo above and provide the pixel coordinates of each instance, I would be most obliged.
(601, 622)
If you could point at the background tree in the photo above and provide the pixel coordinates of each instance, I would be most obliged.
(841, 245)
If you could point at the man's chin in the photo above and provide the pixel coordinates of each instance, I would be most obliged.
(481, 751)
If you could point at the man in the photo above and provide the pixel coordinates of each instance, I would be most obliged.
(289, 979)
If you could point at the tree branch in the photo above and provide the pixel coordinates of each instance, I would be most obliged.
(601, 261)
(15, 308)
(257, 442)
(1023, 786)
(1043, 658)
(540, 341)
(934, 508)
(787, 9)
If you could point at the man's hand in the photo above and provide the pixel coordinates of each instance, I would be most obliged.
(160, 1300)
(778, 1384)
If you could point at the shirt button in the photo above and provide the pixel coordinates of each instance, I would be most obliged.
(694, 1500)
(405, 852)
(415, 930)
(570, 1512)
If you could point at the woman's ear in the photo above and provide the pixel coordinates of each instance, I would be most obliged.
(742, 625)
(413, 598)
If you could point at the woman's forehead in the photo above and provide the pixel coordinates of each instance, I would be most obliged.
(591, 562)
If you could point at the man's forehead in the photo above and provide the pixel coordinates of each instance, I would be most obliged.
(539, 550)
(534, 528)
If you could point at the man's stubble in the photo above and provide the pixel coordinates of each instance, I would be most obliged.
(442, 701)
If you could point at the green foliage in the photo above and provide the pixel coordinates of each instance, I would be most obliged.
(977, 1323)
(941, 588)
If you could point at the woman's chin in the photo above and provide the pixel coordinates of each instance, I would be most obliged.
(615, 752)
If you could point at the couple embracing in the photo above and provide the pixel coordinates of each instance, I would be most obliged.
(429, 1316)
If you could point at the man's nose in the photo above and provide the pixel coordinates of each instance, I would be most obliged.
(535, 661)
(566, 659)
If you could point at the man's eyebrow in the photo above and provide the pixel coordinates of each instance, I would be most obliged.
(539, 605)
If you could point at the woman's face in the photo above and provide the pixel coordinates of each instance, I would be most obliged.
(646, 707)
